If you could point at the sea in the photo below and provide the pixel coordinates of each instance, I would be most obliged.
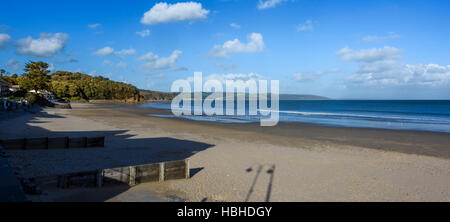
(422, 115)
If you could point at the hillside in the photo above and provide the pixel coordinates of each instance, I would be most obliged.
(78, 86)
(301, 97)
(155, 95)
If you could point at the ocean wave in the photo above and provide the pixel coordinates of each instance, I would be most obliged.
(350, 115)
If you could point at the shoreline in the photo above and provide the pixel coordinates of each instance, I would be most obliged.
(403, 141)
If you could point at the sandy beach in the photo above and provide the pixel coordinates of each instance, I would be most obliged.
(235, 162)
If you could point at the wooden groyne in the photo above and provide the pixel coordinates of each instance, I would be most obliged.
(52, 143)
(129, 175)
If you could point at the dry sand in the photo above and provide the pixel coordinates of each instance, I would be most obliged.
(233, 162)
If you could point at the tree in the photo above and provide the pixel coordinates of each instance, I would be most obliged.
(36, 77)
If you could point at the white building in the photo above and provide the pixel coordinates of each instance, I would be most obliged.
(14, 88)
(48, 95)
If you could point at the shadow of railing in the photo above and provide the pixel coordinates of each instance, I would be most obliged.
(270, 171)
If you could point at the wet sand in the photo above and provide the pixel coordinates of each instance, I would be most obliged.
(290, 134)
(244, 162)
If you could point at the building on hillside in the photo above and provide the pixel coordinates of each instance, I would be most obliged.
(48, 95)
(14, 88)
(4, 88)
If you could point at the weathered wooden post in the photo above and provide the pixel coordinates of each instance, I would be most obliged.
(132, 179)
(161, 172)
(187, 172)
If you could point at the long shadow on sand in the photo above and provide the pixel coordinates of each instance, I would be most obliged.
(259, 170)
(121, 149)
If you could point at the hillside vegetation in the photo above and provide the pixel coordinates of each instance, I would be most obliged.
(70, 86)
(155, 95)
(78, 86)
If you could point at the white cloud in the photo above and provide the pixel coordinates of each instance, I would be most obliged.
(369, 55)
(234, 77)
(391, 35)
(12, 64)
(311, 76)
(153, 62)
(94, 26)
(266, 4)
(148, 57)
(106, 62)
(164, 13)
(106, 51)
(308, 25)
(122, 64)
(143, 33)
(125, 52)
(234, 25)
(400, 75)
(380, 67)
(4, 40)
(255, 44)
(46, 45)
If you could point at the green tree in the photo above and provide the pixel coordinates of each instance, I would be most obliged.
(78, 86)
(36, 77)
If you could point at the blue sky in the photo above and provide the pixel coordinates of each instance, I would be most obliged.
(340, 49)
